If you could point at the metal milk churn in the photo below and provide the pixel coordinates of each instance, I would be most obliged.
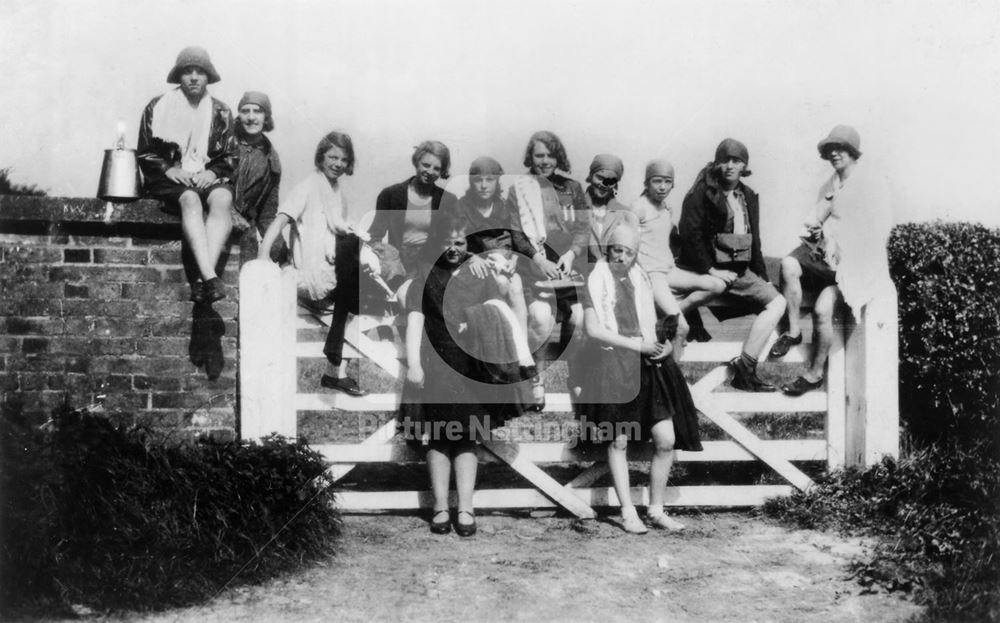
(119, 173)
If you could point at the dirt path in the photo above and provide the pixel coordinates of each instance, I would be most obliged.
(725, 567)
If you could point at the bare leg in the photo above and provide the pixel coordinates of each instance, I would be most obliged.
(195, 234)
(825, 303)
(540, 323)
(218, 223)
(513, 293)
(700, 297)
(439, 468)
(466, 464)
(663, 296)
(659, 472)
(700, 288)
(762, 326)
(663, 460)
(618, 465)
(791, 287)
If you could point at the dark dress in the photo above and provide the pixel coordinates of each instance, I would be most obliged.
(464, 395)
(626, 393)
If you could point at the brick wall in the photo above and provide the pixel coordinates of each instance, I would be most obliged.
(94, 308)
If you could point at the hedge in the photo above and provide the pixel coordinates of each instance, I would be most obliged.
(948, 279)
(104, 517)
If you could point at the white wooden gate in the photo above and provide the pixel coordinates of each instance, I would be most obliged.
(860, 401)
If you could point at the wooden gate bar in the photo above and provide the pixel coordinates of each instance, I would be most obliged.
(708, 495)
(558, 452)
(734, 402)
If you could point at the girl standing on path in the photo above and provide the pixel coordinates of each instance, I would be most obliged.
(468, 361)
(633, 390)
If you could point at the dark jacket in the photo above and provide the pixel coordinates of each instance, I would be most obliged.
(500, 228)
(704, 214)
(256, 180)
(390, 212)
(156, 156)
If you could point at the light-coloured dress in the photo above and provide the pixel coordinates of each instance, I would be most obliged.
(656, 222)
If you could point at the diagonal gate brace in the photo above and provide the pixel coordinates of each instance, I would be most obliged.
(510, 453)
(703, 401)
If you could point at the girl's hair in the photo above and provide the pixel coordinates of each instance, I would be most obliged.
(336, 139)
(441, 231)
(553, 144)
(437, 149)
(451, 223)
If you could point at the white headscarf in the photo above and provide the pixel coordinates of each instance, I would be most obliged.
(176, 121)
(601, 286)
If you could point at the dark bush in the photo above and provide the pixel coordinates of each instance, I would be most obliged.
(936, 516)
(10, 187)
(948, 279)
(101, 516)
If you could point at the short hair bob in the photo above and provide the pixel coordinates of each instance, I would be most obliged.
(553, 144)
(437, 149)
(336, 139)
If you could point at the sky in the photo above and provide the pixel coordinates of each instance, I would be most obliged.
(919, 79)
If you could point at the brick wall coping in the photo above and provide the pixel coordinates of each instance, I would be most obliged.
(82, 210)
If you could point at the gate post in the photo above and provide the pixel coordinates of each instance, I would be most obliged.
(268, 374)
(872, 358)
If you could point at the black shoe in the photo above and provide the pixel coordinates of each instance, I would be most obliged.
(698, 334)
(784, 344)
(441, 527)
(214, 290)
(465, 529)
(801, 385)
(747, 380)
(347, 385)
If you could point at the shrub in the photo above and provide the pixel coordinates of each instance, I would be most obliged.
(10, 187)
(100, 516)
(948, 279)
(936, 517)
